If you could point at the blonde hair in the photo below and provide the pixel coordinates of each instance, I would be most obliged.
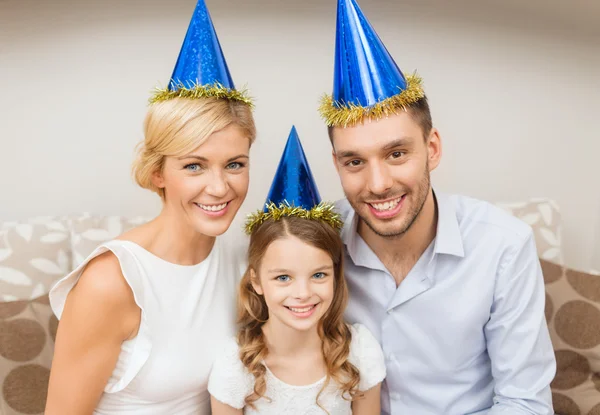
(253, 311)
(176, 127)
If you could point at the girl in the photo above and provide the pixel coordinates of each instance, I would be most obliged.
(142, 319)
(294, 354)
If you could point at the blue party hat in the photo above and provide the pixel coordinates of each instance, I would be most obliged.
(201, 70)
(367, 81)
(294, 191)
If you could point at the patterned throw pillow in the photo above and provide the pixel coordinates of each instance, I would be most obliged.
(573, 316)
(33, 256)
(27, 334)
(87, 232)
(544, 218)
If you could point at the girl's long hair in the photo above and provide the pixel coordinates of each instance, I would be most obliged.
(253, 311)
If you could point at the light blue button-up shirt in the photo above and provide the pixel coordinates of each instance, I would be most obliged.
(465, 331)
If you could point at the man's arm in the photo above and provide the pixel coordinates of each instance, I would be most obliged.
(518, 342)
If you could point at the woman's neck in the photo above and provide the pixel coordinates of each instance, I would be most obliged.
(176, 241)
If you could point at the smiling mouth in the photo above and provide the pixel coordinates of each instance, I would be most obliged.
(389, 205)
(301, 309)
(212, 208)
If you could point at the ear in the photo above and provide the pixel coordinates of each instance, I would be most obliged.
(434, 148)
(158, 180)
(255, 282)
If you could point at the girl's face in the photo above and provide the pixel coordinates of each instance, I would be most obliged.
(207, 187)
(297, 282)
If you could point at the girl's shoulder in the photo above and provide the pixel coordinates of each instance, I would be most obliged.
(367, 356)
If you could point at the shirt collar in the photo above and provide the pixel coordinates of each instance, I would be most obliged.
(448, 239)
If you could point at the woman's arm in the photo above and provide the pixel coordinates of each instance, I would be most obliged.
(220, 408)
(370, 403)
(99, 314)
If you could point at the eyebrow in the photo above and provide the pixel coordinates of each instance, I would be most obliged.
(287, 271)
(200, 158)
(399, 142)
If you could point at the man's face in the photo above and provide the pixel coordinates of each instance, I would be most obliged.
(384, 168)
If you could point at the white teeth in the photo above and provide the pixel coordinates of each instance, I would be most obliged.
(386, 205)
(301, 310)
(212, 208)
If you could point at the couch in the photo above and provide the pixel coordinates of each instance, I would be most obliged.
(35, 253)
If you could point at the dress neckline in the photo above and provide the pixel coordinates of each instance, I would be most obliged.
(172, 264)
(311, 385)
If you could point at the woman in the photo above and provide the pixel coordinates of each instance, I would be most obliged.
(143, 317)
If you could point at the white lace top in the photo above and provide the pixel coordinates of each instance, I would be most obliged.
(230, 382)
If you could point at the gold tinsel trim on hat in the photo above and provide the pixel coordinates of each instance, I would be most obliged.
(201, 91)
(337, 114)
(322, 212)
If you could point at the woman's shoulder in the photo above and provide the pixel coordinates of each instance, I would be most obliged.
(102, 278)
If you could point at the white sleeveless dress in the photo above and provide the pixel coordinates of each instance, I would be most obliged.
(188, 314)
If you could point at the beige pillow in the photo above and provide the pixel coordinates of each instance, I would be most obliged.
(27, 334)
(544, 218)
(87, 232)
(33, 256)
(573, 316)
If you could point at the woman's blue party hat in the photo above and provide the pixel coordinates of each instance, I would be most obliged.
(201, 70)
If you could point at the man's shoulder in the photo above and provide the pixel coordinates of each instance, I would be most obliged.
(484, 216)
(343, 207)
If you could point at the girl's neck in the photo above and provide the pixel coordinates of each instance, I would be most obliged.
(284, 341)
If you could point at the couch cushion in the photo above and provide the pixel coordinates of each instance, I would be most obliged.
(27, 333)
(87, 232)
(573, 315)
(34, 254)
(544, 217)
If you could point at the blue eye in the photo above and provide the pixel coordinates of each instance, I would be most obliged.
(319, 275)
(235, 165)
(193, 167)
(283, 278)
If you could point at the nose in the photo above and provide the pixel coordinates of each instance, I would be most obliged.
(217, 185)
(302, 289)
(380, 180)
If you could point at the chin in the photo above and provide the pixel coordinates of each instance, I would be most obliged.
(212, 228)
(306, 326)
(394, 227)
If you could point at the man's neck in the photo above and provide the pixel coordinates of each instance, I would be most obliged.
(399, 254)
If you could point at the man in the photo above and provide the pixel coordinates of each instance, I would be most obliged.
(451, 286)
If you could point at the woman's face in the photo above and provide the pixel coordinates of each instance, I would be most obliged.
(208, 186)
(297, 281)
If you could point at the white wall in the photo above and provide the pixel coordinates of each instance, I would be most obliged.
(515, 92)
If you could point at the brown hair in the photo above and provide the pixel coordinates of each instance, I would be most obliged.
(176, 127)
(253, 311)
(420, 113)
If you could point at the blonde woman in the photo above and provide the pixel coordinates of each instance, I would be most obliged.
(142, 319)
